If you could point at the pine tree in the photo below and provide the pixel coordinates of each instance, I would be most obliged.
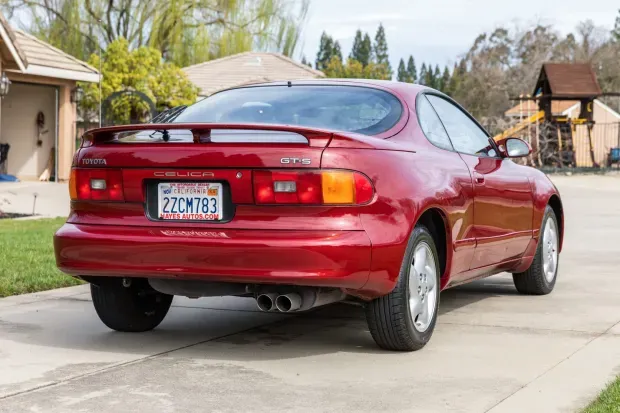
(411, 70)
(380, 49)
(324, 55)
(423, 75)
(429, 78)
(402, 75)
(366, 56)
(459, 72)
(445, 81)
(615, 33)
(357, 46)
(437, 78)
(337, 51)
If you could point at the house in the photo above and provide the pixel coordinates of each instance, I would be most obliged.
(246, 68)
(38, 112)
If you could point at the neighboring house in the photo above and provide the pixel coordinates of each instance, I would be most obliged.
(38, 114)
(246, 68)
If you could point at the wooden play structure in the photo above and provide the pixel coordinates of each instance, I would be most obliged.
(567, 141)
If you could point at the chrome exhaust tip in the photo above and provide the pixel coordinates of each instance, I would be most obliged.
(266, 302)
(288, 302)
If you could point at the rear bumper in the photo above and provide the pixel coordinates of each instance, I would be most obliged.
(312, 258)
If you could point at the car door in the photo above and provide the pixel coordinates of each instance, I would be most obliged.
(503, 206)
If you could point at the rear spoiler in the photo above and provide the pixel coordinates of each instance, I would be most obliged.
(205, 133)
(215, 133)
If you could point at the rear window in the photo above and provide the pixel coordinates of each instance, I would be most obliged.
(342, 108)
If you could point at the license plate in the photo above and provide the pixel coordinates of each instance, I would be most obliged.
(191, 201)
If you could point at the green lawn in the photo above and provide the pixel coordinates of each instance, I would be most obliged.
(27, 261)
(608, 401)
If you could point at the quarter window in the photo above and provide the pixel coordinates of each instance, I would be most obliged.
(431, 125)
(466, 136)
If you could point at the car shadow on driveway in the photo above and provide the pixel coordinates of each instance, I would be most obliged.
(209, 331)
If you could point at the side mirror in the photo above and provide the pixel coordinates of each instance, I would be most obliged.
(515, 148)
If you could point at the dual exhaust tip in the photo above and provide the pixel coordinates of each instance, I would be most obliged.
(284, 303)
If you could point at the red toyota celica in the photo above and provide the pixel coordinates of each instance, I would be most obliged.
(301, 194)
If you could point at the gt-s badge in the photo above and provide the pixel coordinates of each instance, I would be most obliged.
(302, 161)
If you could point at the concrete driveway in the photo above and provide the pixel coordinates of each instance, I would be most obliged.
(493, 350)
(44, 199)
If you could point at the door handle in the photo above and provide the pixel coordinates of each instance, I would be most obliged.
(479, 178)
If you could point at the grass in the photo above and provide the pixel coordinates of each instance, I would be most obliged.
(27, 262)
(608, 401)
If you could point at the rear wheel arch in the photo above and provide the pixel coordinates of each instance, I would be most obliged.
(556, 205)
(435, 220)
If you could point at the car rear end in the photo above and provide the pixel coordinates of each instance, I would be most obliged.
(244, 203)
(223, 208)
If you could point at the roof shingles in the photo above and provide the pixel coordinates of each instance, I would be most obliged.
(42, 54)
(570, 80)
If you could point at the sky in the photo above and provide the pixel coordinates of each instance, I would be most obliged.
(438, 31)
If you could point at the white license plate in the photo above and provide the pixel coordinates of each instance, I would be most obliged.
(192, 201)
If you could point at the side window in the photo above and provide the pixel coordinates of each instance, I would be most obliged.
(431, 125)
(466, 136)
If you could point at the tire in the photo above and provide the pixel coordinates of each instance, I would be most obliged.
(540, 278)
(390, 319)
(133, 309)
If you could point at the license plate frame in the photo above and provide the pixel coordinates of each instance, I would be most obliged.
(151, 201)
(189, 201)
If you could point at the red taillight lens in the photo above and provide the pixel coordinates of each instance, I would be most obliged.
(328, 187)
(96, 185)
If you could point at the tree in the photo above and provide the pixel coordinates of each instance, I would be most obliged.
(615, 33)
(411, 70)
(326, 49)
(402, 75)
(423, 75)
(362, 48)
(458, 73)
(142, 70)
(429, 76)
(437, 78)
(184, 31)
(353, 69)
(305, 61)
(380, 49)
(366, 55)
(445, 81)
(337, 51)
(356, 50)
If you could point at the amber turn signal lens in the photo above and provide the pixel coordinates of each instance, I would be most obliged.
(338, 187)
(73, 185)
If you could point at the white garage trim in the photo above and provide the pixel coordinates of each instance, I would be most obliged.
(47, 71)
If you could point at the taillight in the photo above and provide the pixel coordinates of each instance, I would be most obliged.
(329, 187)
(96, 185)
